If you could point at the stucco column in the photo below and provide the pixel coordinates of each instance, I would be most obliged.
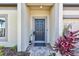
(19, 27)
(56, 22)
(60, 19)
(25, 26)
(56, 10)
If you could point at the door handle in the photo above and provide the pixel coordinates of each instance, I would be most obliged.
(33, 32)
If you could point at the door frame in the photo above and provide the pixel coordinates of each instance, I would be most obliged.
(46, 28)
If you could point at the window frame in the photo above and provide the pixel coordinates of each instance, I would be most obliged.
(6, 27)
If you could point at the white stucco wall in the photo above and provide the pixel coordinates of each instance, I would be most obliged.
(12, 27)
(19, 27)
(52, 25)
(56, 22)
(39, 12)
(24, 27)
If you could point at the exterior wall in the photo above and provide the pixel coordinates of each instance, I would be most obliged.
(72, 11)
(12, 27)
(24, 27)
(56, 23)
(52, 25)
(39, 12)
(19, 27)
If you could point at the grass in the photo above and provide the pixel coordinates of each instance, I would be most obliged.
(1, 50)
(14, 48)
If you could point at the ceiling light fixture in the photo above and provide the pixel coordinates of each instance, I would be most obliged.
(41, 6)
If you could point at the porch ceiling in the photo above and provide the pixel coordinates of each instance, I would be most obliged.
(45, 6)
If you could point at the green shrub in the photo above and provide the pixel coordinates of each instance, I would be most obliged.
(52, 54)
(1, 47)
(1, 50)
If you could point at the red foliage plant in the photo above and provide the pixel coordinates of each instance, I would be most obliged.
(66, 44)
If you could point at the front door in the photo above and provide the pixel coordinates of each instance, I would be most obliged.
(39, 32)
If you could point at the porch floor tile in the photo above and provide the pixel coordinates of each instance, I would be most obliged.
(40, 51)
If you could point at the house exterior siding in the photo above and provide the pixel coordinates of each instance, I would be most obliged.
(11, 39)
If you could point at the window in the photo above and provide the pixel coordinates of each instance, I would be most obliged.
(71, 15)
(73, 22)
(3, 27)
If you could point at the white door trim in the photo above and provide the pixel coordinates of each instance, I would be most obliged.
(46, 28)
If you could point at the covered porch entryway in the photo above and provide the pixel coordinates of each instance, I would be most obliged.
(39, 25)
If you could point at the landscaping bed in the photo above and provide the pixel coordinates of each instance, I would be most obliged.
(8, 51)
(11, 51)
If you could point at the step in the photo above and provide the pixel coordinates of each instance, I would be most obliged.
(39, 44)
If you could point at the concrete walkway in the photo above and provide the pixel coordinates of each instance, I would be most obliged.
(40, 50)
(46, 50)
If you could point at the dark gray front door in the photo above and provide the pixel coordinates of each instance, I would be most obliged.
(40, 32)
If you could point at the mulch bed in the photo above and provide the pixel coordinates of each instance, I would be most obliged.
(9, 52)
(23, 54)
